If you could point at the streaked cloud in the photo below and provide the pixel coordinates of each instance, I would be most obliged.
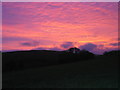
(67, 45)
(32, 43)
(115, 44)
(60, 1)
(53, 24)
(89, 46)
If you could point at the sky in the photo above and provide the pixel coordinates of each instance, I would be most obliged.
(60, 0)
(60, 25)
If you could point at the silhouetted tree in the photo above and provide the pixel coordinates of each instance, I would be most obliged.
(74, 50)
(75, 54)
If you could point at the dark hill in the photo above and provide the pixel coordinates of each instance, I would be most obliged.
(112, 53)
(37, 58)
(101, 72)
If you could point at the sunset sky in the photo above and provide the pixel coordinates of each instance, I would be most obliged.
(60, 25)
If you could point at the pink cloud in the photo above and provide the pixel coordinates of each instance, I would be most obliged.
(53, 23)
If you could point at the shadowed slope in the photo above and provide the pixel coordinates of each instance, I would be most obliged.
(99, 73)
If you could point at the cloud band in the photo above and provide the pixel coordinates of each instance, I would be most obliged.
(60, 0)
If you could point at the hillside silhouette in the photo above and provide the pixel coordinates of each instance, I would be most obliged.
(19, 60)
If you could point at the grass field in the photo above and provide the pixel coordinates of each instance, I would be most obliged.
(101, 72)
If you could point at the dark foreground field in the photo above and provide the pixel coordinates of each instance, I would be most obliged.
(101, 72)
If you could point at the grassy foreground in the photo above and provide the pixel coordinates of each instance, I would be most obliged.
(101, 72)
